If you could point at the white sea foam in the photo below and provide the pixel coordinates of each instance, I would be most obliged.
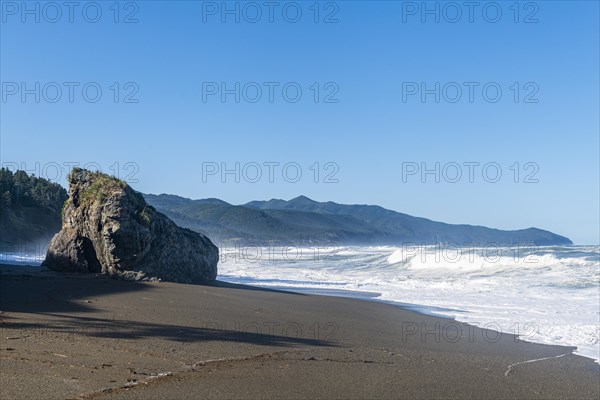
(21, 259)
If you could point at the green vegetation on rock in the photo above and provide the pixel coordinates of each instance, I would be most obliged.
(101, 188)
(64, 207)
(144, 215)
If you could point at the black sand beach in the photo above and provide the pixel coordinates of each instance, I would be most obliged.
(75, 336)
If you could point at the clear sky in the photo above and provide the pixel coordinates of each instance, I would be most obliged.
(170, 115)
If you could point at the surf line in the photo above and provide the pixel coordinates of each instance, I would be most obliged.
(530, 361)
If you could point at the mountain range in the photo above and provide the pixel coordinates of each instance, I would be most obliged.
(302, 220)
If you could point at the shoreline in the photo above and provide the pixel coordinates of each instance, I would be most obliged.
(426, 310)
(420, 309)
(548, 296)
(76, 336)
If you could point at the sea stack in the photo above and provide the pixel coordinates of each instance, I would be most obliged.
(108, 228)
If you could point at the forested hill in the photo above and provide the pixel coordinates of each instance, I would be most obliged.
(30, 207)
(305, 220)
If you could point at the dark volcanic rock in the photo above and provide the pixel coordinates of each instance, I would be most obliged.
(107, 227)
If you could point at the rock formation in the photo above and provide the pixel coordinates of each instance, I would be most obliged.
(108, 228)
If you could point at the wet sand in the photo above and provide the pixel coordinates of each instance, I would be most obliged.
(78, 336)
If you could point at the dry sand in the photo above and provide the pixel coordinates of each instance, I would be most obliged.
(74, 336)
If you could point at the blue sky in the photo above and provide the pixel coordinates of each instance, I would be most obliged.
(366, 127)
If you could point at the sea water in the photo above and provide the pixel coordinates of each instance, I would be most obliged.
(547, 295)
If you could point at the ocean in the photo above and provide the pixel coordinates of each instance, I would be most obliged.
(547, 295)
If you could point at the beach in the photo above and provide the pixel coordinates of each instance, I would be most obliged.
(69, 336)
